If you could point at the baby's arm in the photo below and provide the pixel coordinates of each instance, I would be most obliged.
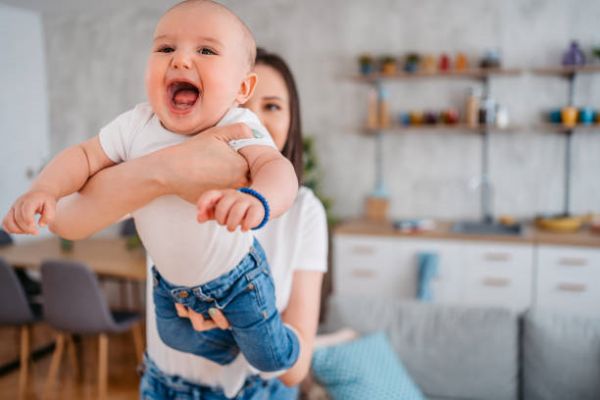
(65, 174)
(272, 176)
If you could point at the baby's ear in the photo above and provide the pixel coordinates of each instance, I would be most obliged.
(247, 88)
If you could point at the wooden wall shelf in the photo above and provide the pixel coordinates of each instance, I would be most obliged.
(566, 71)
(565, 128)
(440, 128)
(479, 73)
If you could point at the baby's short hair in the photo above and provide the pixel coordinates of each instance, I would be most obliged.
(248, 37)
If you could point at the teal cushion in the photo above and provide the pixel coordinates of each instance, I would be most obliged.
(366, 368)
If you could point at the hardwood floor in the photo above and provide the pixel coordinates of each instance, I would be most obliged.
(123, 380)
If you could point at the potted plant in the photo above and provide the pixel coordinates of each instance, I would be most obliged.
(411, 63)
(388, 65)
(365, 62)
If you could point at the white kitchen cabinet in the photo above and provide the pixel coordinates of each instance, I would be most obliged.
(498, 274)
(364, 265)
(389, 267)
(568, 278)
(474, 272)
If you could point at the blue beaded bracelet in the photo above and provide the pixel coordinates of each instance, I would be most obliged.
(264, 203)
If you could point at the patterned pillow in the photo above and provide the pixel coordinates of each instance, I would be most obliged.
(366, 368)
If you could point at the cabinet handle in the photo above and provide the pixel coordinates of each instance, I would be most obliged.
(572, 287)
(363, 273)
(362, 249)
(572, 262)
(496, 282)
(498, 257)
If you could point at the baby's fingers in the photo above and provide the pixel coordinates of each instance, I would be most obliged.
(223, 207)
(253, 218)
(25, 216)
(48, 212)
(9, 224)
(206, 204)
(236, 214)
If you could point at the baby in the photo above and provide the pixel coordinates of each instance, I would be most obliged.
(199, 72)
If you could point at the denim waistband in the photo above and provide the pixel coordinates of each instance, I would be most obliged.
(251, 265)
(181, 385)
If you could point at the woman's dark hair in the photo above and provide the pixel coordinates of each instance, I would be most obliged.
(293, 148)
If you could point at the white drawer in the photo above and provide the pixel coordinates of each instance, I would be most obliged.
(389, 267)
(568, 279)
(361, 250)
(498, 274)
(367, 265)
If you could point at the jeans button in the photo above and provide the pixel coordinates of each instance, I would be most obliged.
(183, 295)
(251, 286)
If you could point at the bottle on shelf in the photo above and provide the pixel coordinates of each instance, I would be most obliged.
(384, 109)
(502, 119)
(372, 110)
(487, 111)
(472, 108)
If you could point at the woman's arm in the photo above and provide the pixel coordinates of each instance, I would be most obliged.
(302, 313)
(188, 169)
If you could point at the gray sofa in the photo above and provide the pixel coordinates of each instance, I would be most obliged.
(455, 352)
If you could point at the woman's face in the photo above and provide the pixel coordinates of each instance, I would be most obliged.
(271, 103)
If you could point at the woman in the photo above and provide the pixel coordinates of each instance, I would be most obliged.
(296, 243)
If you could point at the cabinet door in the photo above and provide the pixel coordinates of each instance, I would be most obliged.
(446, 285)
(569, 279)
(367, 265)
(498, 274)
(389, 267)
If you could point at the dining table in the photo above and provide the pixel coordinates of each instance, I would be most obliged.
(107, 257)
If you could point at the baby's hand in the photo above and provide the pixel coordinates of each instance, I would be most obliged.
(21, 216)
(230, 207)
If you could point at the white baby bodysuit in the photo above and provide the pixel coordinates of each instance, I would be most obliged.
(185, 252)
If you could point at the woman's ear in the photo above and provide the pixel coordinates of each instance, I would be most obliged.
(247, 88)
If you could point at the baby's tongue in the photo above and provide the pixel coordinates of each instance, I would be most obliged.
(186, 97)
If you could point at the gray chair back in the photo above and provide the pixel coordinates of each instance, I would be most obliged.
(14, 307)
(73, 300)
(5, 238)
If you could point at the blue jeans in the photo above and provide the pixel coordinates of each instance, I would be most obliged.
(156, 385)
(246, 296)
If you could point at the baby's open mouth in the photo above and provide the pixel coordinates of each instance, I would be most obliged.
(183, 95)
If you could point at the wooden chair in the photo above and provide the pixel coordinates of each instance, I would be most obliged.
(15, 310)
(75, 304)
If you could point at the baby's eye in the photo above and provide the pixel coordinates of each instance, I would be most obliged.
(272, 107)
(207, 51)
(165, 49)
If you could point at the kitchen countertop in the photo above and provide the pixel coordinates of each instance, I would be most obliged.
(530, 234)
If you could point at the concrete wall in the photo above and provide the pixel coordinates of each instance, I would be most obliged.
(96, 60)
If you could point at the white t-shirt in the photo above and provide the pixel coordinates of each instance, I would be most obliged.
(186, 252)
(295, 241)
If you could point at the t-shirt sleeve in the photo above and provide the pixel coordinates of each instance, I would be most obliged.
(117, 136)
(313, 237)
(260, 133)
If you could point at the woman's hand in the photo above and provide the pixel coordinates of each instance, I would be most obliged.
(200, 324)
(203, 162)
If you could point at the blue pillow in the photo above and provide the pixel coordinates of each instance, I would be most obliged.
(366, 368)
